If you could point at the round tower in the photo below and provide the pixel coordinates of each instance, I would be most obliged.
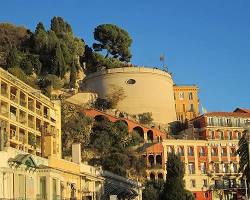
(145, 90)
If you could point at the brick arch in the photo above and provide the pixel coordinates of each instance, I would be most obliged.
(157, 134)
(101, 118)
(122, 120)
(139, 130)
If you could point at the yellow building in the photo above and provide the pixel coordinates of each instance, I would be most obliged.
(186, 102)
(31, 166)
(32, 122)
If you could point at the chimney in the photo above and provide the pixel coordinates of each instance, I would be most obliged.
(76, 153)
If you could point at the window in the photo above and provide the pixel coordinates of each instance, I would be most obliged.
(43, 187)
(229, 122)
(183, 108)
(191, 107)
(191, 151)
(203, 168)
(232, 152)
(216, 167)
(202, 151)
(131, 81)
(224, 151)
(214, 151)
(225, 167)
(191, 168)
(204, 182)
(192, 183)
(221, 135)
(54, 189)
(211, 121)
(211, 134)
(238, 122)
(170, 149)
(238, 135)
(234, 168)
(181, 151)
(230, 135)
(220, 121)
(181, 95)
(190, 96)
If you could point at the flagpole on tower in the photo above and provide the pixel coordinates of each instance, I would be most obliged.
(162, 59)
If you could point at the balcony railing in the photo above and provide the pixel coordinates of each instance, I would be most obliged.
(4, 92)
(39, 111)
(23, 102)
(13, 97)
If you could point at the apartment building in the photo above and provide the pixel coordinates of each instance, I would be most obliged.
(31, 122)
(210, 159)
(31, 166)
(186, 102)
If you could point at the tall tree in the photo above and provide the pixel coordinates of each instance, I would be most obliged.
(12, 59)
(60, 27)
(243, 152)
(58, 63)
(115, 40)
(174, 186)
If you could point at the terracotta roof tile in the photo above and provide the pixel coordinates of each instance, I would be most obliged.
(228, 114)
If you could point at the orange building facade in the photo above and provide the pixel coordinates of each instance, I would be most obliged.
(210, 159)
(186, 102)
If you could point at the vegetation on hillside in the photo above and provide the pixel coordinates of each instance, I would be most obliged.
(57, 51)
(103, 142)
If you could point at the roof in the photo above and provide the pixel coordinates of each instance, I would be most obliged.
(25, 159)
(242, 110)
(228, 114)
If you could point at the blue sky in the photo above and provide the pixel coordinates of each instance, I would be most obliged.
(205, 42)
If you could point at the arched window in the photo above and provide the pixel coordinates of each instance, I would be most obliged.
(151, 160)
(202, 151)
(160, 176)
(139, 130)
(158, 160)
(214, 151)
(152, 176)
(230, 135)
(181, 151)
(191, 151)
(211, 134)
(170, 149)
(150, 137)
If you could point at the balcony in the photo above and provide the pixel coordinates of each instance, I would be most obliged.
(23, 102)
(22, 138)
(39, 111)
(13, 97)
(31, 124)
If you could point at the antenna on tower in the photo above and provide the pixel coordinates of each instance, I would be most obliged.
(162, 59)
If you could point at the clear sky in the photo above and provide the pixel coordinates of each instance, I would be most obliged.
(205, 42)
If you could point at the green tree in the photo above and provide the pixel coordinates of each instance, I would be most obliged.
(58, 63)
(145, 118)
(13, 58)
(76, 127)
(60, 27)
(73, 72)
(40, 39)
(115, 40)
(243, 152)
(174, 186)
(152, 190)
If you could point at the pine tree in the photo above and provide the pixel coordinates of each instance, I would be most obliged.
(174, 187)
